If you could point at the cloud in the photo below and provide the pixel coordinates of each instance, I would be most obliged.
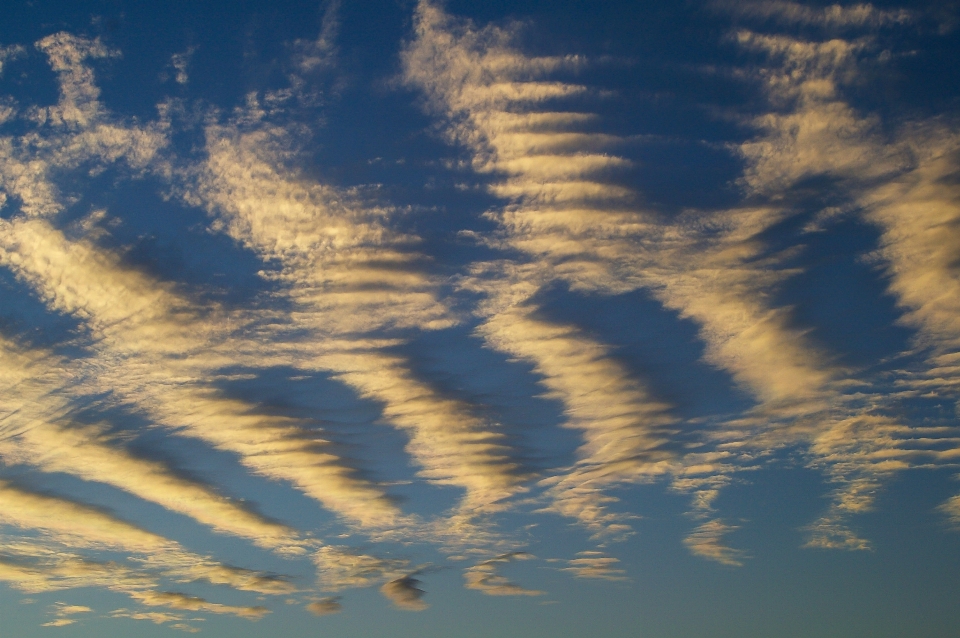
(404, 593)
(831, 531)
(10, 53)
(321, 54)
(149, 332)
(81, 526)
(75, 525)
(863, 15)
(707, 541)
(902, 181)
(79, 96)
(63, 609)
(595, 565)
(156, 617)
(484, 577)
(153, 349)
(63, 612)
(349, 292)
(623, 427)
(952, 509)
(903, 190)
(920, 220)
(713, 267)
(325, 606)
(560, 236)
(37, 567)
(812, 131)
(584, 231)
(76, 130)
(185, 627)
(180, 62)
(350, 276)
(465, 72)
(35, 407)
(176, 600)
(341, 568)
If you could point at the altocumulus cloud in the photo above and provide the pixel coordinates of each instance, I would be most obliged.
(349, 290)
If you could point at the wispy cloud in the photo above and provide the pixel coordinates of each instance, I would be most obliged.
(321, 53)
(348, 292)
(342, 568)
(484, 577)
(80, 526)
(10, 53)
(835, 15)
(325, 606)
(156, 617)
(707, 541)
(815, 132)
(595, 565)
(34, 420)
(51, 564)
(351, 278)
(149, 332)
(492, 97)
(578, 227)
(565, 211)
(63, 613)
(180, 62)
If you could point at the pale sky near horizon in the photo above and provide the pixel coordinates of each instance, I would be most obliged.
(413, 318)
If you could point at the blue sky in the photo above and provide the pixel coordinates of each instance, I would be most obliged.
(514, 319)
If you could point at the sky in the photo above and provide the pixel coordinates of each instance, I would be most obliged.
(423, 318)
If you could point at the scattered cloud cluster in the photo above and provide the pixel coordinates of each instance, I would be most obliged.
(564, 210)
(351, 291)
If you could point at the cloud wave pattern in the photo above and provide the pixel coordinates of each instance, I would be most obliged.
(409, 470)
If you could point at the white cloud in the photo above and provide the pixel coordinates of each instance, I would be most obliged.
(351, 276)
(180, 62)
(595, 565)
(79, 96)
(792, 13)
(325, 606)
(149, 333)
(341, 568)
(710, 267)
(37, 431)
(59, 622)
(80, 526)
(484, 577)
(404, 593)
(707, 541)
(10, 53)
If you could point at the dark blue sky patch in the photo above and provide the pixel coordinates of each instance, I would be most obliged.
(842, 298)
(661, 349)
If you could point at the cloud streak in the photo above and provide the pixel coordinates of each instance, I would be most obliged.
(565, 211)
(484, 577)
(351, 277)
(50, 564)
(37, 431)
(347, 292)
(491, 96)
